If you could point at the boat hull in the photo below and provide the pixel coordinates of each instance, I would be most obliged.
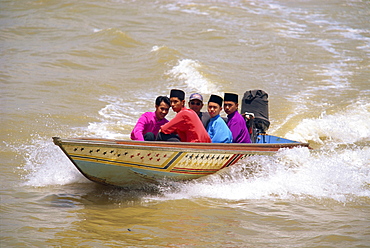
(127, 163)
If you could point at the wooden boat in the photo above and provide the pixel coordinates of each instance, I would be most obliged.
(127, 163)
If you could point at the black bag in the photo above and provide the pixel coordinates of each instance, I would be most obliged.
(256, 102)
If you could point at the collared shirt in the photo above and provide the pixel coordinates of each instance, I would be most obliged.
(219, 131)
(147, 122)
(188, 126)
(238, 128)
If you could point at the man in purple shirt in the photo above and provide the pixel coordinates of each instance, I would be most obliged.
(149, 123)
(235, 121)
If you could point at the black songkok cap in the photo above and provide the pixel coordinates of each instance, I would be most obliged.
(178, 93)
(216, 99)
(231, 97)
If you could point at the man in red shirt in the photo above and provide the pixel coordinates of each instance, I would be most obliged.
(186, 124)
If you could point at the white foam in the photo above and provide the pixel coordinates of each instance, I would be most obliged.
(156, 48)
(189, 72)
(46, 164)
(349, 126)
(113, 120)
(290, 174)
(189, 8)
(326, 45)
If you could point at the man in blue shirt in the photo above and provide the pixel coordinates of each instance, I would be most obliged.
(217, 128)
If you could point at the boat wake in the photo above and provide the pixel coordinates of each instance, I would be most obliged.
(291, 173)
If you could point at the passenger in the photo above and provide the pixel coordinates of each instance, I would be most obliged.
(217, 128)
(196, 104)
(235, 121)
(149, 123)
(186, 124)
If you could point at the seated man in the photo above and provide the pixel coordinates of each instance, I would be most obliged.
(235, 121)
(149, 123)
(217, 128)
(186, 124)
(196, 104)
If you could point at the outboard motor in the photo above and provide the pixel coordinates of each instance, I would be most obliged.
(255, 110)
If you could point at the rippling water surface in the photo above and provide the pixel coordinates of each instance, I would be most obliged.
(91, 68)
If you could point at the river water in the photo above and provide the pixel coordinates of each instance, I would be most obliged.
(91, 68)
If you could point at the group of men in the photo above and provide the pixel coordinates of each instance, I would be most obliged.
(192, 125)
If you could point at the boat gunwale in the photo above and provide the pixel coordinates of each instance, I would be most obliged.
(180, 146)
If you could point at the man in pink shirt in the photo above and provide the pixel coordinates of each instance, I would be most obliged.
(149, 123)
(186, 124)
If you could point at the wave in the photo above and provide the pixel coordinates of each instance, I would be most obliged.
(189, 74)
(116, 37)
(290, 174)
(345, 127)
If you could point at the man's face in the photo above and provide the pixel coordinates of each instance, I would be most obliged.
(162, 110)
(176, 104)
(196, 105)
(214, 109)
(230, 107)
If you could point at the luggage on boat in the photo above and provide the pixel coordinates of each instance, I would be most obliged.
(255, 109)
